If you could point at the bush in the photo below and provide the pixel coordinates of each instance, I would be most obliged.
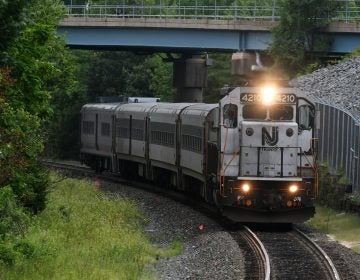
(7, 254)
(333, 188)
(14, 222)
(13, 219)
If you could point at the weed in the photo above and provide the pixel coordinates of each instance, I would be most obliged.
(83, 234)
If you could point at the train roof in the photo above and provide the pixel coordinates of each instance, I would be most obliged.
(136, 107)
(101, 106)
(170, 108)
(199, 109)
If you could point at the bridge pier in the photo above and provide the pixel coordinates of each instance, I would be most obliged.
(190, 78)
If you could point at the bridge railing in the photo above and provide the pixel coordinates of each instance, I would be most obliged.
(347, 12)
(174, 12)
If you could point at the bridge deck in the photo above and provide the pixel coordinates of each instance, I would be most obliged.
(189, 28)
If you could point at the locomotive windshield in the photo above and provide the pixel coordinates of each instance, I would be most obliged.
(281, 113)
(275, 113)
(254, 112)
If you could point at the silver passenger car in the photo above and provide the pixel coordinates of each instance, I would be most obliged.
(97, 134)
(131, 137)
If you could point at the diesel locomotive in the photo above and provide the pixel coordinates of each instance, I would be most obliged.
(252, 155)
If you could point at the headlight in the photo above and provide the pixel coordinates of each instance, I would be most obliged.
(245, 187)
(268, 95)
(293, 188)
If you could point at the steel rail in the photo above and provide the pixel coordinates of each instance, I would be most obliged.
(326, 259)
(260, 249)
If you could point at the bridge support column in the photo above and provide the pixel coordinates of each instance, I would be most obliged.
(190, 78)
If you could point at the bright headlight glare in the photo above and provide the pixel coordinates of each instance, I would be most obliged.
(293, 188)
(245, 187)
(268, 95)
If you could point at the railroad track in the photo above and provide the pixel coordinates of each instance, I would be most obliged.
(272, 255)
(293, 255)
(259, 266)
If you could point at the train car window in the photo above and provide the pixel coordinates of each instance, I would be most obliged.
(137, 130)
(88, 127)
(281, 113)
(306, 117)
(122, 128)
(192, 138)
(162, 134)
(105, 129)
(254, 112)
(230, 115)
(163, 138)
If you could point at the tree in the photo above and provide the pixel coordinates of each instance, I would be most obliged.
(125, 74)
(32, 71)
(11, 21)
(297, 37)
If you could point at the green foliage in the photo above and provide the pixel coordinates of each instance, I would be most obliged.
(13, 219)
(161, 76)
(90, 74)
(34, 62)
(296, 37)
(67, 96)
(332, 188)
(20, 145)
(342, 226)
(13, 223)
(353, 54)
(356, 198)
(122, 73)
(11, 21)
(218, 76)
(83, 234)
(30, 70)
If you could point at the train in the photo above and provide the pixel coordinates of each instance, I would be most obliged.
(252, 156)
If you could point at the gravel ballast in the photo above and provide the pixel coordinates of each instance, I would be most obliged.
(211, 253)
(337, 85)
(347, 262)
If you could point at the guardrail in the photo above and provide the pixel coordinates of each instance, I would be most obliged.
(256, 12)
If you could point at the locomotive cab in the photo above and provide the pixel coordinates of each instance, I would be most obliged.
(267, 166)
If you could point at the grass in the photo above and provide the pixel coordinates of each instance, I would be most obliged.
(83, 234)
(344, 227)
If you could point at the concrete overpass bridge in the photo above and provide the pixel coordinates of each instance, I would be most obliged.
(191, 29)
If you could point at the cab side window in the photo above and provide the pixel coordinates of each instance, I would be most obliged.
(306, 117)
(230, 112)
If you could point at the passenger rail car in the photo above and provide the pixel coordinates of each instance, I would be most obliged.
(252, 155)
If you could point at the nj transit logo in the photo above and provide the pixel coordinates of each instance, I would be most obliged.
(270, 140)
